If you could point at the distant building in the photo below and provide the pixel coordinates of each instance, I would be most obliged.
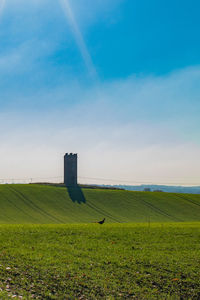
(147, 190)
(70, 169)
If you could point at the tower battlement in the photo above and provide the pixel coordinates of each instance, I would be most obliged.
(70, 169)
(70, 154)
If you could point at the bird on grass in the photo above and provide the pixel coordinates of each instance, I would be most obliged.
(101, 222)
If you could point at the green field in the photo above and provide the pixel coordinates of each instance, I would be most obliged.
(40, 204)
(115, 261)
(43, 257)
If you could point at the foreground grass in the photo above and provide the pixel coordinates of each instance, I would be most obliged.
(146, 261)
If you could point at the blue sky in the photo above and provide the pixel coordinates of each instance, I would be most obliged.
(116, 81)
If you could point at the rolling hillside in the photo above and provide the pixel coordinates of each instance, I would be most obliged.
(49, 204)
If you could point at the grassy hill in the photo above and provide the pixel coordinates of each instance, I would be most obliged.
(49, 204)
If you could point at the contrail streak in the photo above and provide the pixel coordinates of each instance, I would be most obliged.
(79, 38)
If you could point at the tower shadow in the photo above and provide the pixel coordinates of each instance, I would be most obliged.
(76, 194)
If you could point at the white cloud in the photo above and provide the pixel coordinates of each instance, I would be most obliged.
(139, 129)
(103, 153)
(23, 57)
(35, 33)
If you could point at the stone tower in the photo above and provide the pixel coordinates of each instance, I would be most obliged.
(70, 169)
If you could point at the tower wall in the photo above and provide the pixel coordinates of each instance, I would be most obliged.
(70, 169)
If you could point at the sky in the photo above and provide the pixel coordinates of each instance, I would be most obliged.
(116, 81)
